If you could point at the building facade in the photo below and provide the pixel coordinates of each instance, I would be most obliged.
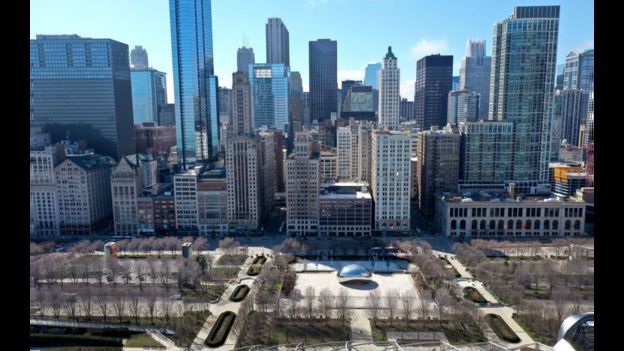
(241, 104)
(302, 187)
(277, 42)
(149, 95)
(406, 110)
(328, 166)
(44, 209)
(370, 75)
(487, 216)
(434, 75)
(437, 167)
(269, 95)
(154, 139)
(185, 196)
(523, 69)
(389, 81)
(84, 194)
(323, 60)
(244, 58)
(212, 203)
(139, 58)
(474, 74)
(463, 106)
(345, 210)
(195, 85)
(65, 73)
(126, 183)
(390, 180)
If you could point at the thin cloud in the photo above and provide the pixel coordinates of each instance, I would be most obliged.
(427, 46)
(587, 44)
(350, 75)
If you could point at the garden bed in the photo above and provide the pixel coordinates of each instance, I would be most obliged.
(502, 330)
(239, 293)
(254, 269)
(259, 260)
(231, 260)
(219, 332)
(473, 295)
(456, 331)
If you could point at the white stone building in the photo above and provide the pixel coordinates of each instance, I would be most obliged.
(302, 187)
(389, 83)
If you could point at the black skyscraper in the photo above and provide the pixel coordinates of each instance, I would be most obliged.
(80, 87)
(323, 79)
(434, 80)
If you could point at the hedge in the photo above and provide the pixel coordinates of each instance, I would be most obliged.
(112, 332)
(259, 260)
(239, 293)
(40, 340)
(473, 295)
(501, 328)
(220, 330)
(254, 269)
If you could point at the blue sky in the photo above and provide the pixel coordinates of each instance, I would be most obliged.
(363, 29)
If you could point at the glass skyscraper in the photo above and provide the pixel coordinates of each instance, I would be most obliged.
(434, 80)
(149, 95)
(370, 74)
(579, 70)
(474, 74)
(80, 88)
(195, 86)
(269, 95)
(323, 78)
(521, 88)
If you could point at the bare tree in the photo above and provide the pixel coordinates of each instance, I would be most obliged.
(98, 270)
(41, 299)
(153, 269)
(102, 302)
(119, 304)
(200, 244)
(292, 309)
(70, 303)
(135, 306)
(374, 305)
(165, 272)
(442, 299)
(150, 300)
(407, 302)
(392, 302)
(139, 269)
(56, 302)
(228, 245)
(560, 298)
(309, 296)
(166, 305)
(35, 249)
(327, 302)
(342, 304)
(86, 300)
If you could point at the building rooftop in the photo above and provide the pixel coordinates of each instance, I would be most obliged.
(91, 161)
(492, 196)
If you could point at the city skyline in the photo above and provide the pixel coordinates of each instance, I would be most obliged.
(421, 34)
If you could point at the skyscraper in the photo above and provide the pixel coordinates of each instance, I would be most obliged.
(244, 58)
(434, 78)
(80, 88)
(521, 88)
(295, 101)
(138, 58)
(277, 42)
(391, 175)
(302, 187)
(406, 110)
(195, 86)
(474, 74)
(370, 75)
(149, 95)
(323, 78)
(241, 104)
(269, 95)
(463, 106)
(389, 81)
(579, 70)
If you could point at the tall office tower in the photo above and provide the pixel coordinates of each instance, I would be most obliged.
(474, 74)
(269, 144)
(302, 187)
(212, 204)
(359, 104)
(323, 78)
(574, 106)
(243, 167)
(195, 85)
(224, 104)
(328, 163)
(555, 128)
(434, 76)
(463, 106)
(364, 152)
(389, 81)
(269, 95)
(390, 179)
(521, 89)
(65, 71)
(241, 104)
(149, 95)
(44, 215)
(244, 58)
(279, 154)
(589, 125)
(486, 155)
(185, 195)
(84, 193)
(305, 98)
(559, 79)
(277, 43)
(295, 102)
(344, 151)
(138, 58)
(579, 70)
(406, 110)
(370, 75)
(126, 182)
(167, 115)
(455, 84)
(438, 166)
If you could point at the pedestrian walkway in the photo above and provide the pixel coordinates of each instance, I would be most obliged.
(360, 327)
(506, 313)
(163, 340)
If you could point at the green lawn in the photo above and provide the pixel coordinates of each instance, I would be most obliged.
(288, 331)
(457, 332)
(141, 340)
(205, 294)
(224, 273)
(536, 333)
